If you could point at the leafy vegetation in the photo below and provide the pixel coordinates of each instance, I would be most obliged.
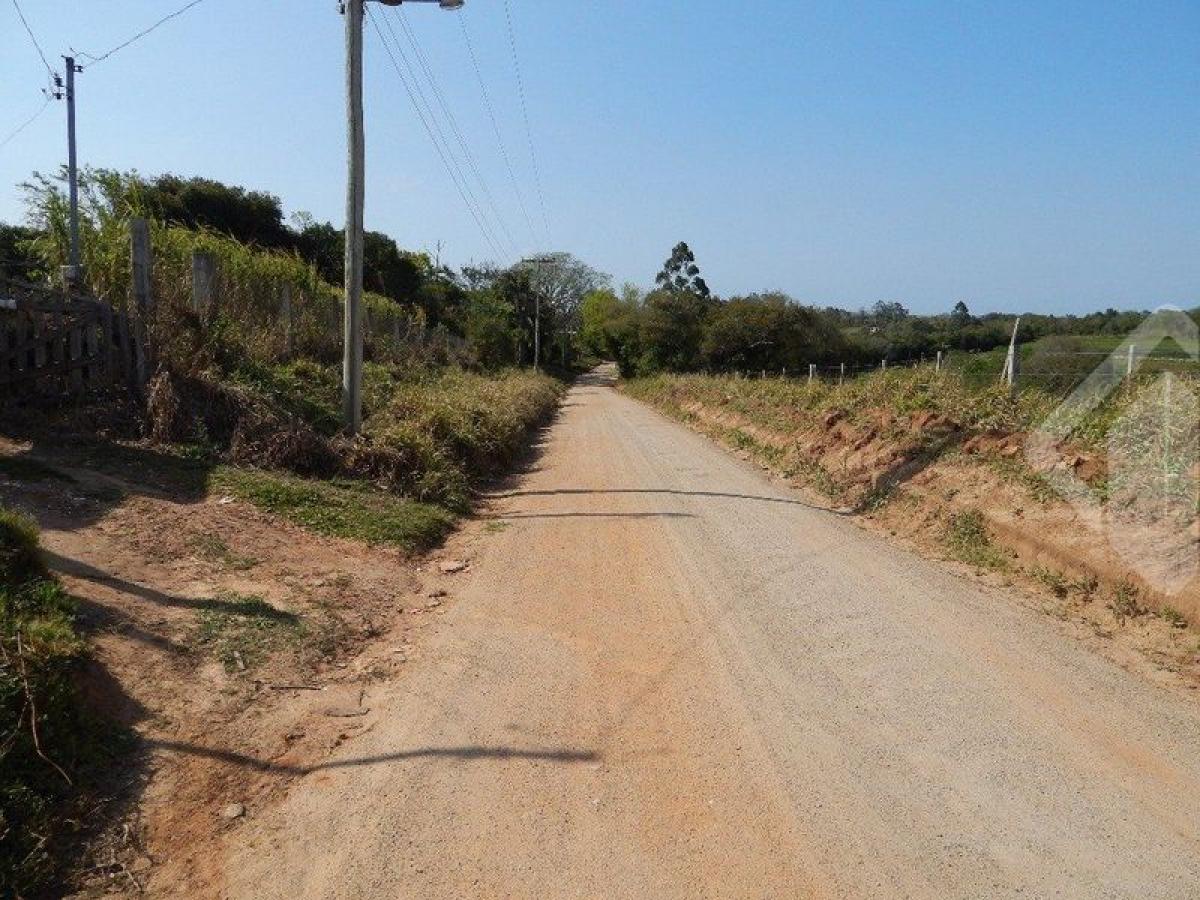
(241, 630)
(339, 509)
(967, 538)
(48, 745)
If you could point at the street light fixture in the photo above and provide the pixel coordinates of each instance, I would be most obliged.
(352, 351)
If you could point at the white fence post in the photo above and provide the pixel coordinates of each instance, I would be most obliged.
(937, 366)
(812, 372)
(1010, 362)
(842, 374)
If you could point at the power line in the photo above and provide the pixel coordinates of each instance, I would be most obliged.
(537, 174)
(141, 34)
(29, 31)
(462, 143)
(429, 131)
(26, 123)
(447, 152)
(487, 102)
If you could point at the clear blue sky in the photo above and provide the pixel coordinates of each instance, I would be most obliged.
(1023, 155)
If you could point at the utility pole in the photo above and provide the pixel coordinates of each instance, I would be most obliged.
(352, 350)
(72, 271)
(537, 329)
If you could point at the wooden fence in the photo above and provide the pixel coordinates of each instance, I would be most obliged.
(57, 344)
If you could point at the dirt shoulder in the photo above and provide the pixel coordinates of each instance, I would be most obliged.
(233, 650)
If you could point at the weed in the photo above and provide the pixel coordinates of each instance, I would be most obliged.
(1055, 581)
(1086, 586)
(968, 540)
(1015, 470)
(339, 509)
(495, 526)
(1173, 617)
(241, 630)
(1125, 603)
(212, 548)
(42, 770)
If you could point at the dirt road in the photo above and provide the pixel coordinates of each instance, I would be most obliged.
(667, 677)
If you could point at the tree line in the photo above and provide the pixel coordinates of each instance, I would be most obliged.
(677, 325)
(681, 326)
(496, 309)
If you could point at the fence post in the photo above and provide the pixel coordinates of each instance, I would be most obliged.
(204, 271)
(107, 338)
(285, 313)
(1129, 368)
(812, 372)
(143, 303)
(883, 364)
(842, 374)
(1010, 361)
(937, 366)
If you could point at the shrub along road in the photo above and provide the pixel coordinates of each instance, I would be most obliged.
(668, 677)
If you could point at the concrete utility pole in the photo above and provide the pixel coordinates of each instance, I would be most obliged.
(352, 349)
(537, 330)
(72, 272)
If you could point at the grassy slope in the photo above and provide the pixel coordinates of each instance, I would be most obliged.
(47, 745)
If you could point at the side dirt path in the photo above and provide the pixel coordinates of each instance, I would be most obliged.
(230, 652)
(663, 676)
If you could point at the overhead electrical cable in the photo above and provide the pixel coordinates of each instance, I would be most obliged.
(487, 102)
(137, 37)
(537, 173)
(442, 142)
(26, 123)
(462, 143)
(429, 130)
(33, 38)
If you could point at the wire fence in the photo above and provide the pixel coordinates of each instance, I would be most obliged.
(1052, 372)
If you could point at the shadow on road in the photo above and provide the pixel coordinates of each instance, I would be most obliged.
(468, 753)
(669, 491)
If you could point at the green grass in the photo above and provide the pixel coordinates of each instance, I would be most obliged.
(968, 540)
(339, 509)
(242, 630)
(50, 745)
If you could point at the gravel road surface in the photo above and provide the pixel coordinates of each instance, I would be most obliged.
(666, 676)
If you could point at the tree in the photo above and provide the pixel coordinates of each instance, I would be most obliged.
(887, 313)
(17, 258)
(680, 272)
(769, 331)
(960, 315)
(671, 330)
(491, 328)
(252, 217)
(561, 282)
